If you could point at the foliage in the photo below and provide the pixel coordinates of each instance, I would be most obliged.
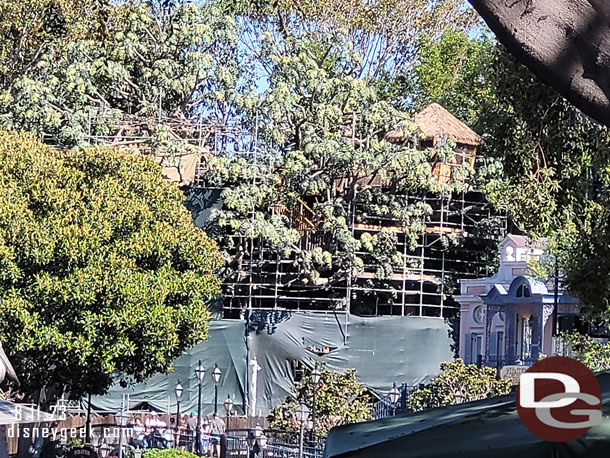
(545, 161)
(168, 453)
(340, 399)
(30, 29)
(175, 59)
(323, 152)
(591, 352)
(555, 166)
(101, 269)
(382, 32)
(451, 71)
(465, 381)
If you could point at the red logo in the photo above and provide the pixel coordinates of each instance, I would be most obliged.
(559, 399)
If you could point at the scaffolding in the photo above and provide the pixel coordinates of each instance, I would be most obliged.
(459, 240)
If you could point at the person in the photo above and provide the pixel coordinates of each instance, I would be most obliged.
(218, 428)
(168, 433)
(205, 436)
(191, 429)
(183, 436)
(138, 438)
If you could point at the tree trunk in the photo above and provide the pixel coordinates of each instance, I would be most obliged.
(566, 43)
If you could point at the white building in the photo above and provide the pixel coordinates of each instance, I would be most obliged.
(507, 319)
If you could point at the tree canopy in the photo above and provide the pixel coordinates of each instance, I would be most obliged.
(324, 143)
(459, 383)
(102, 273)
(340, 399)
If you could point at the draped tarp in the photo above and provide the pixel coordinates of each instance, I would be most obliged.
(383, 350)
(485, 429)
(225, 346)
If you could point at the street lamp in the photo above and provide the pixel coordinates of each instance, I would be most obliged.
(315, 379)
(216, 376)
(459, 398)
(394, 395)
(200, 374)
(302, 413)
(228, 408)
(120, 419)
(228, 405)
(256, 441)
(105, 450)
(178, 391)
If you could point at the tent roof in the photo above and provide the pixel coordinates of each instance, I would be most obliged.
(484, 429)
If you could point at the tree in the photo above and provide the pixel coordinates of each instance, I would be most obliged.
(459, 383)
(564, 43)
(102, 273)
(28, 30)
(152, 59)
(340, 399)
(591, 352)
(452, 70)
(324, 146)
(382, 32)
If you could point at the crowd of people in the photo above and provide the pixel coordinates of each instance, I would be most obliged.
(153, 432)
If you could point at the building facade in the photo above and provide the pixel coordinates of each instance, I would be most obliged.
(508, 319)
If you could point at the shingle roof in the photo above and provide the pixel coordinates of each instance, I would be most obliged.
(435, 122)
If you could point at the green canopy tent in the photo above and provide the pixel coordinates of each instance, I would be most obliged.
(484, 429)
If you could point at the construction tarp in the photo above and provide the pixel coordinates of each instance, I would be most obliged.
(273, 344)
(225, 346)
(485, 429)
(383, 350)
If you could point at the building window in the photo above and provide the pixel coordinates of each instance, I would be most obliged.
(520, 291)
(476, 348)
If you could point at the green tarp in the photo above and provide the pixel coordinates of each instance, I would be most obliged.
(383, 350)
(224, 346)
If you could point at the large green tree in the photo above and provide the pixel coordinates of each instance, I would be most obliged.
(324, 143)
(151, 59)
(102, 273)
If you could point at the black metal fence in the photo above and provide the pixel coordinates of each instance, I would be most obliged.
(279, 444)
(385, 408)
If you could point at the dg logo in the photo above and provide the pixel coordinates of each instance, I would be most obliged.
(559, 399)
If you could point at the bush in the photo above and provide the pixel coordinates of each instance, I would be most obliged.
(168, 453)
(459, 382)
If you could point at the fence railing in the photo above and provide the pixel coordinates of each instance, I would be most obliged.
(385, 408)
(280, 444)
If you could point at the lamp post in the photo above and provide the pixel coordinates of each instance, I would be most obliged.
(200, 374)
(256, 441)
(315, 379)
(104, 450)
(216, 376)
(228, 408)
(302, 413)
(394, 395)
(178, 391)
(120, 418)
(459, 397)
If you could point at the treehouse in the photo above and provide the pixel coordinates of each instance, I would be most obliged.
(457, 241)
(437, 127)
(452, 243)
